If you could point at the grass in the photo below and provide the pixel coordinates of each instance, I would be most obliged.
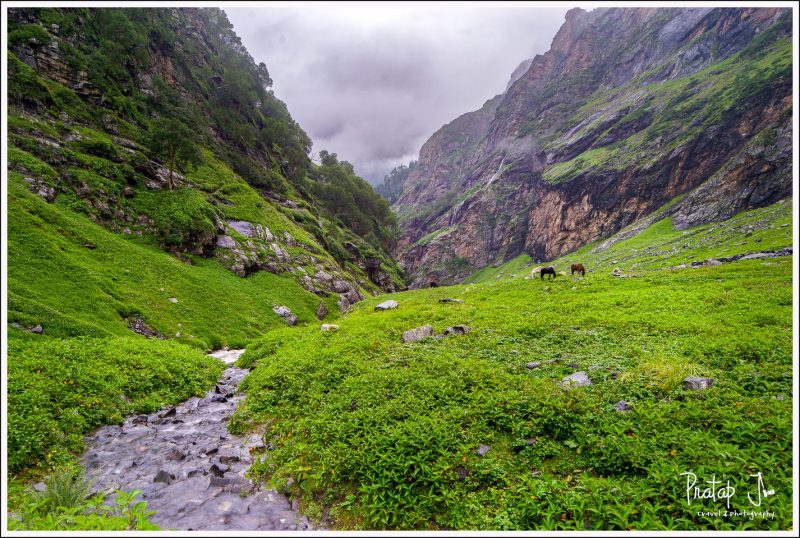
(59, 389)
(681, 107)
(661, 245)
(378, 434)
(74, 277)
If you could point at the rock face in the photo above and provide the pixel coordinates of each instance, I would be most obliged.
(190, 469)
(609, 125)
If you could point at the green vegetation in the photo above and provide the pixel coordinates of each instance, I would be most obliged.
(80, 279)
(59, 389)
(656, 123)
(384, 435)
(394, 181)
(174, 142)
(349, 199)
(660, 245)
(66, 505)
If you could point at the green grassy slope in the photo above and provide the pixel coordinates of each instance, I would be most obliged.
(69, 289)
(375, 433)
(660, 245)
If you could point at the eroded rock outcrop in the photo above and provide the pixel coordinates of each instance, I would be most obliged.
(629, 109)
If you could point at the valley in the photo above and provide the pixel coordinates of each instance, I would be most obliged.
(210, 330)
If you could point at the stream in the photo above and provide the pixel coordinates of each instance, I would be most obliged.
(189, 468)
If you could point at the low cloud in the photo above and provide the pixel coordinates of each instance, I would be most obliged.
(373, 82)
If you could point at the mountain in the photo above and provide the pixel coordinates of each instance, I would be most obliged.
(630, 110)
(153, 134)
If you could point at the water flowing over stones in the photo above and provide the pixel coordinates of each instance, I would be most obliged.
(190, 469)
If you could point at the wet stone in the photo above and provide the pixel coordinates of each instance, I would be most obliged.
(192, 473)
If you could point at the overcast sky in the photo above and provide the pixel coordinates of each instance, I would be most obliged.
(373, 82)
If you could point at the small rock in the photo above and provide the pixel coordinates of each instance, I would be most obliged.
(322, 311)
(40, 487)
(712, 262)
(462, 473)
(448, 300)
(616, 272)
(530, 442)
(329, 327)
(417, 334)
(286, 314)
(697, 383)
(163, 477)
(780, 397)
(622, 406)
(532, 365)
(573, 365)
(171, 412)
(457, 330)
(578, 379)
(386, 305)
(176, 455)
(514, 351)
(173, 299)
(218, 469)
(483, 449)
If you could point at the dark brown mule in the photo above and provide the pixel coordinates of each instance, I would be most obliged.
(548, 271)
(578, 268)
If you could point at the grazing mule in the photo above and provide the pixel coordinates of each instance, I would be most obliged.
(548, 271)
(578, 268)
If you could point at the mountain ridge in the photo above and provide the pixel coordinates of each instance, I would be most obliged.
(629, 108)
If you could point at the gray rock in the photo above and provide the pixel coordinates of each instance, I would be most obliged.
(322, 311)
(530, 442)
(448, 300)
(712, 262)
(225, 241)
(578, 379)
(697, 383)
(414, 335)
(483, 449)
(286, 314)
(386, 305)
(616, 272)
(329, 327)
(532, 365)
(163, 477)
(622, 406)
(173, 300)
(39, 487)
(457, 330)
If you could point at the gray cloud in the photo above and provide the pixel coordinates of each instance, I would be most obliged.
(373, 82)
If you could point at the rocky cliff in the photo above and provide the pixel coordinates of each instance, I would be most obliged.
(86, 88)
(630, 109)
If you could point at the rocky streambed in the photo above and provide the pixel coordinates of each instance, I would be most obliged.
(190, 469)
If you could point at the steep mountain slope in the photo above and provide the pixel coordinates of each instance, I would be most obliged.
(629, 109)
(106, 105)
